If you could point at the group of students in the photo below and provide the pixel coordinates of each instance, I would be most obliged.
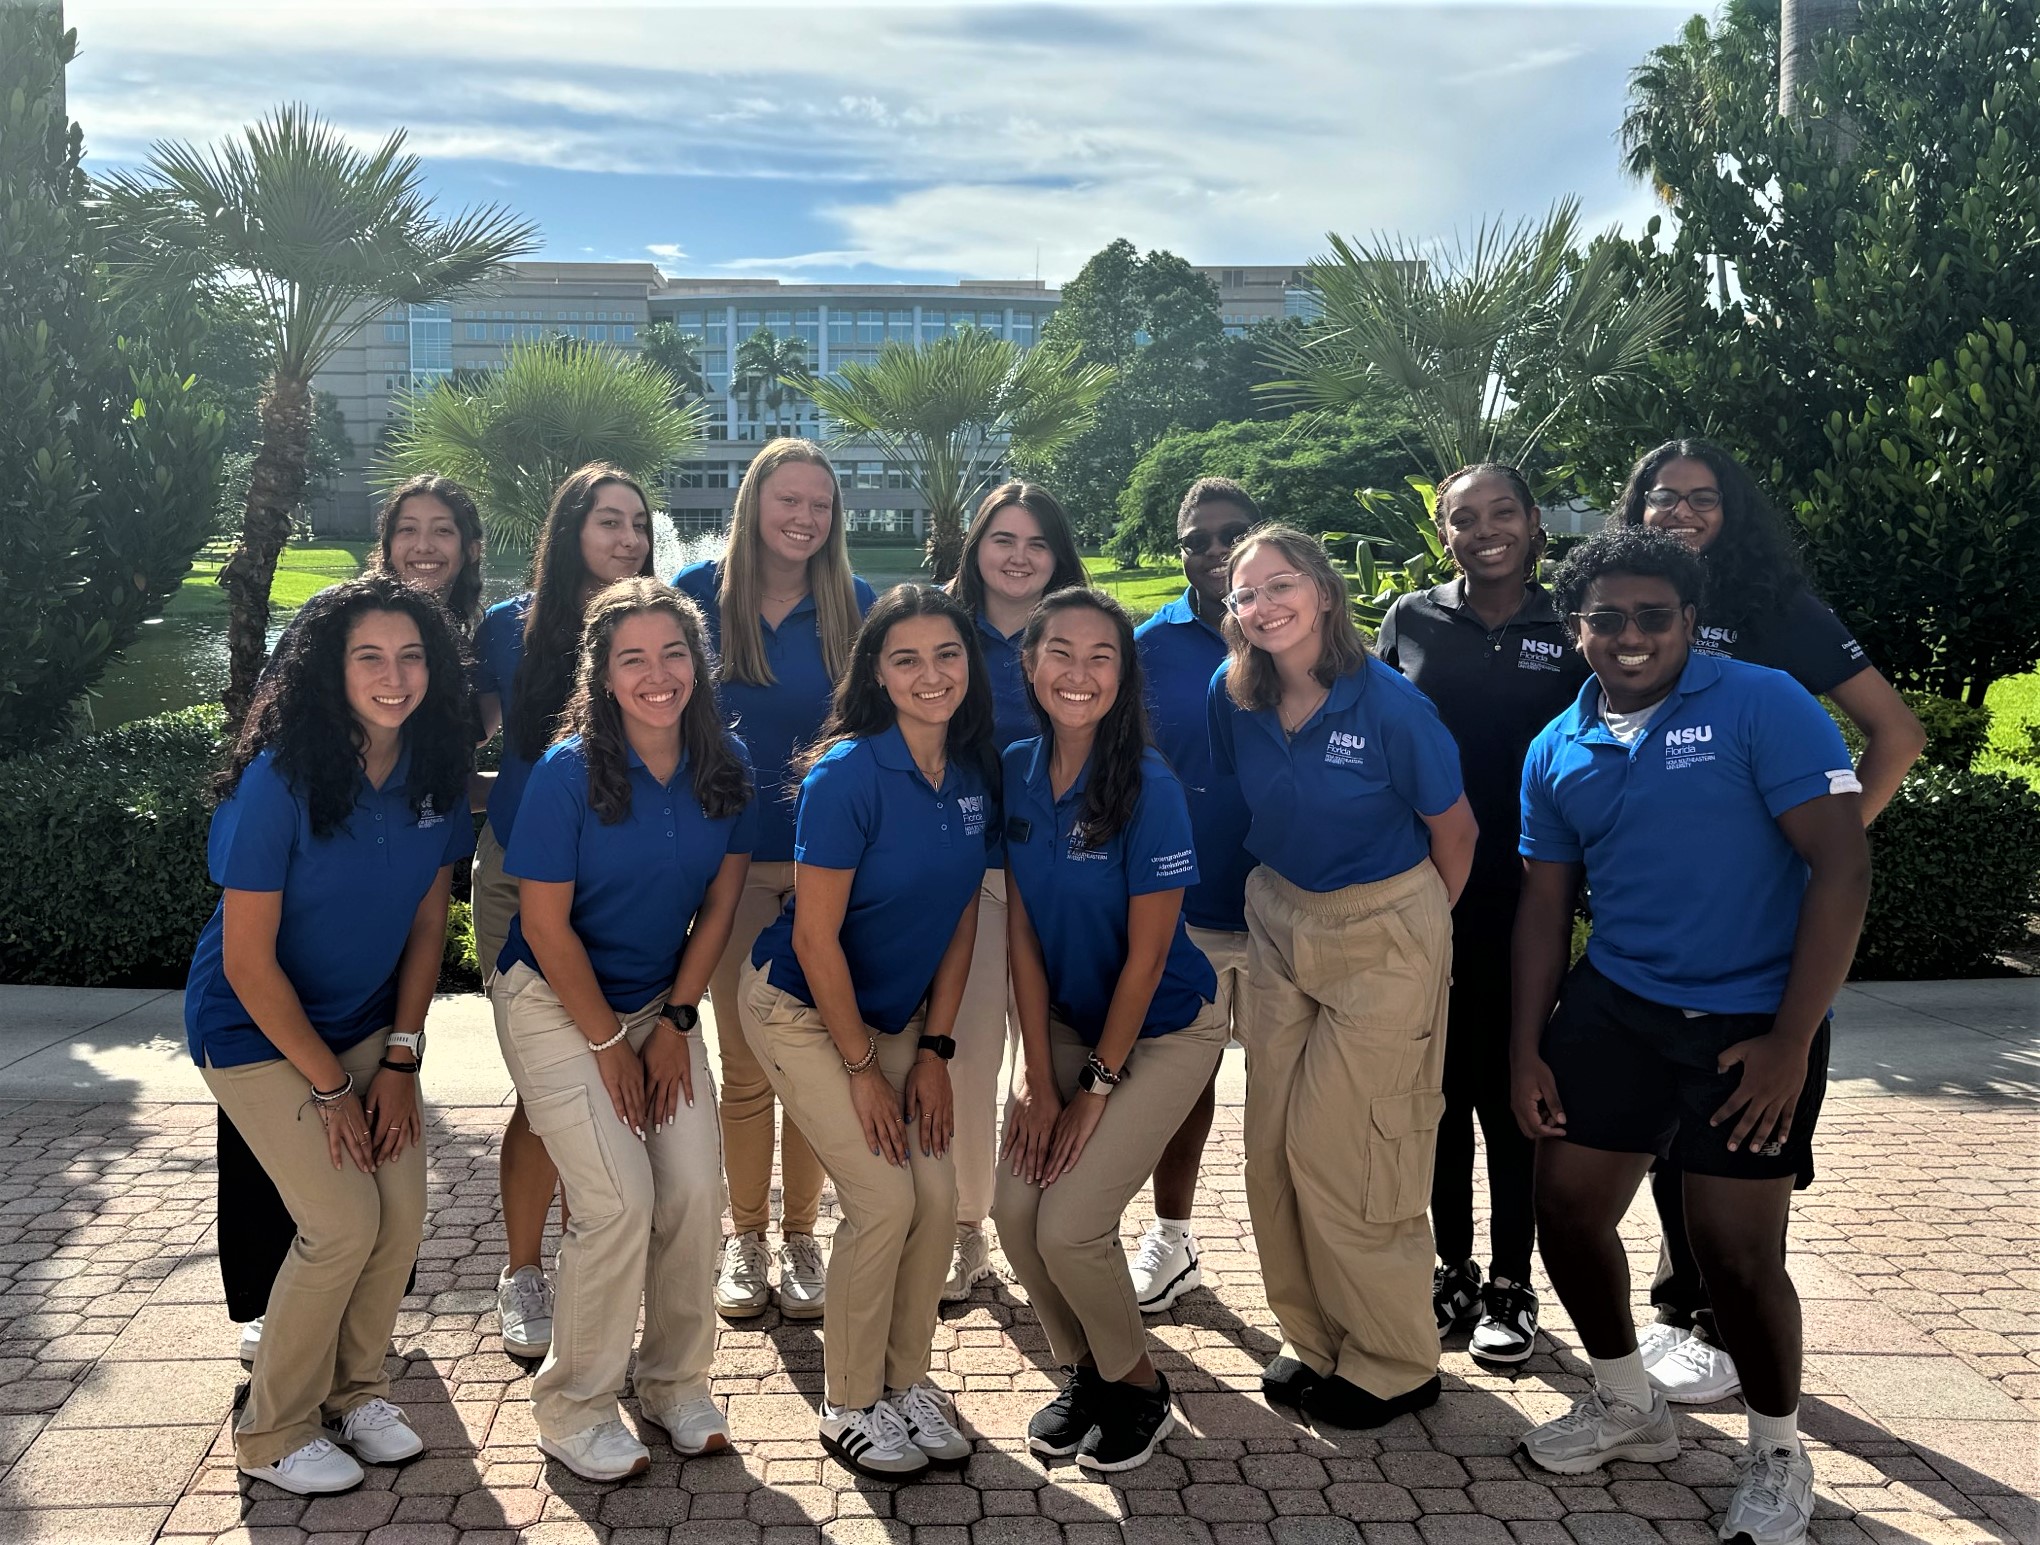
(901, 842)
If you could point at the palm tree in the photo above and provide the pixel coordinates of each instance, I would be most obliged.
(1486, 346)
(325, 237)
(1672, 110)
(514, 435)
(678, 354)
(1803, 24)
(766, 367)
(950, 413)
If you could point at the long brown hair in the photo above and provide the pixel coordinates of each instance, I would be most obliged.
(741, 589)
(969, 584)
(720, 783)
(1250, 677)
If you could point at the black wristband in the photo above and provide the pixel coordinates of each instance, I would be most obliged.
(398, 1067)
(943, 1046)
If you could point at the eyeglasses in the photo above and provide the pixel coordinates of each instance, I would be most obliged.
(1196, 544)
(1698, 500)
(1277, 588)
(1609, 622)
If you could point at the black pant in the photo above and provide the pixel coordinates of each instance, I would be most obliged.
(1477, 1084)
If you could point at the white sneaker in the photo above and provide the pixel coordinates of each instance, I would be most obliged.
(1657, 1340)
(694, 1428)
(524, 1305)
(604, 1452)
(972, 1261)
(803, 1279)
(1773, 1500)
(741, 1285)
(251, 1341)
(872, 1442)
(930, 1419)
(1164, 1267)
(316, 1470)
(1695, 1373)
(1598, 1429)
(378, 1433)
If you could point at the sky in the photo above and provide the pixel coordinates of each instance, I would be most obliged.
(918, 142)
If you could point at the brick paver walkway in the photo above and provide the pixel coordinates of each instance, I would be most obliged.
(1915, 1254)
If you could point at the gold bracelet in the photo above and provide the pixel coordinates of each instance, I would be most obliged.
(870, 1056)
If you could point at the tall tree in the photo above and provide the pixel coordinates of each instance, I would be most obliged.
(326, 237)
(767, 366)
(676, 353)
(514, 434)
(1804, 26)
(109, 452)
(952, 412)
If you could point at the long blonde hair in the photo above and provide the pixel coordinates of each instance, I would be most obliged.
(741, 587)
(1250, 678)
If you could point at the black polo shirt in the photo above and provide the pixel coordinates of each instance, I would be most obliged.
(1494, 689)
(1802, 638)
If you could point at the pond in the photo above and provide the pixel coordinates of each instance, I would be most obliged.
(180, 660)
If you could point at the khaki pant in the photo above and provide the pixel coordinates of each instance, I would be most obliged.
(494, 902)
(1345, 1038)
(986, 1028)
(1063, 1240)
(644, 1218)
(1227, 952)
(747, 1099)
(335, 1300)
(891, 1251)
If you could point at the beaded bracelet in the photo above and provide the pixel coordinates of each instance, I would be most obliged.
(335, 1096)
(870, 1056)
(622, 1030)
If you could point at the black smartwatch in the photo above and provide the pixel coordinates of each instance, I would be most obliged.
(681, 1016)
(944, 1046)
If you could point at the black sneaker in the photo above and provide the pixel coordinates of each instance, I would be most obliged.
(1455, 1296)
(1340, 1403)
(1507, 1332)
(1285, 1381)
(1060, 1427)
(1131, 1425)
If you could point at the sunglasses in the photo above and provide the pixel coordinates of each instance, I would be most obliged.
(1610, 622)
(1196, 544)
(1699, 500)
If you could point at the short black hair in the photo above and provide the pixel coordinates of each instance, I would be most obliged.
(1640, 550)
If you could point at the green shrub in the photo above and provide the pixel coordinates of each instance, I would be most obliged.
(1955, 875)
(459, 971)
(1956, 732)
(102, 842)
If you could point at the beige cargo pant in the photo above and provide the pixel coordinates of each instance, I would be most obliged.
(986, 1029)
(1345, 1036)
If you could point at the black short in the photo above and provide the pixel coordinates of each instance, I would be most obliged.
(1637, 1077)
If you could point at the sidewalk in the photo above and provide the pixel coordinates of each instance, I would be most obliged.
(1914, 1252)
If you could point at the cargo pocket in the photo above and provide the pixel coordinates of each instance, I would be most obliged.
(565, 1121)
(1402, 1143)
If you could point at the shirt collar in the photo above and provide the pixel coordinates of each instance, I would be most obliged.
(1005, 640)
(636, 763)
(1701, 671)
(1346, 691)
(1537, 606)
(1183, 610)
(1037, 778)
(889, 749)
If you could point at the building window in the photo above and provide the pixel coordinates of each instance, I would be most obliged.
(431, 335)
(871, 327)
(899, 326)
(807, 326)
(1233, 278)
(1023, 328)
(599, 332)
(627, 333)
(687, 321)
(933, 324)
(395, 332)
(779, 323)
(841, 322)
(747, 323)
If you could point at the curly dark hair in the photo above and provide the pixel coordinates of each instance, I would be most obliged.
(463, 597)
(1217, 490)
(1627, 550)
(862, 707)
(1752, 567)
(1518, 485)
(552, 628)
(721, 785)
(1112, 792)
(969, 584)
(300, 709)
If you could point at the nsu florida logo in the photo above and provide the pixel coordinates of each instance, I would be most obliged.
(973, 808)
(1715, 640)
(1538, 655)
(1343, 749)
(1689, 745)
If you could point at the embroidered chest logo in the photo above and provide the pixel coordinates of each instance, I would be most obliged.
(1538, 655)
(427, 816)
(1343, 749)
(1688, 746)
(1715, 640)
(973, 808)
(1080, 854)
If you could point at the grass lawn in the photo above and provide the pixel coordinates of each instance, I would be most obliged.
(2014, 704)
(302, 571)
(1142, 592)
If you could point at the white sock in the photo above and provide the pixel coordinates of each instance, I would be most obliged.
(1177, 1226)
(1776, 1431)
(1624, 1379)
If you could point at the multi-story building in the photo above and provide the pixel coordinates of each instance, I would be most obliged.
(1248, 297)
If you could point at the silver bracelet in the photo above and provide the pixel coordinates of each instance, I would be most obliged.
(622, 1030)
(321, 1097)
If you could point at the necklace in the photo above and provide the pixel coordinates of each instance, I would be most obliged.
(1291, 723)
(934, 776)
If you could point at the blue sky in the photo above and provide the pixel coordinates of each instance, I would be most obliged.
(918, 141)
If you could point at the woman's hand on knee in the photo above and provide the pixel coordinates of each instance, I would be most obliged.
(1073, 1129)
(931, 1103)
(669, 1074)
(623, 1075)
(347, 1134)
(877, 1105)
(1533, 1096)
(1029, 1129)
(393, 1114)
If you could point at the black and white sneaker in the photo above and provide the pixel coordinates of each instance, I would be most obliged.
(1455, 1296)
(1059, 1428)
(1507, 1332)
(872, 1442)
(1131, 1425)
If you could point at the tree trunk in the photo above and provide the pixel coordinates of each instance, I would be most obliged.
(945, 539)
(275, 486)
(1802, 24)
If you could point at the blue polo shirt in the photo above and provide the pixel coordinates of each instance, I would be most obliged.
(778, 720)
(1012, 704)
(1077, 896)
(1342, 801)
(1179, 652)
(348, 901)
(919, 856)
(1696, 892)
(499, 650)
(637, 884)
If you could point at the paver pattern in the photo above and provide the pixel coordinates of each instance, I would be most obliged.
(1915, 1254)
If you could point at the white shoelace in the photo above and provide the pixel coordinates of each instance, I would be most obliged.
(529, 1297)
(1156, 1246)
(375, 1414)
(804, 1254)
(1767, 1472)
(921, 1408)
(311, 1453)
(744, 1261)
